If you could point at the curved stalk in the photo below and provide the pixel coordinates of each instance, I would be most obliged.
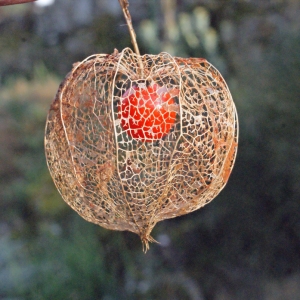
(124, 5)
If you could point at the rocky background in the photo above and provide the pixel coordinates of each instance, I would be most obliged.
(244, 245)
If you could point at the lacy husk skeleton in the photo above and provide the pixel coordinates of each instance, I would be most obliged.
(122, 183)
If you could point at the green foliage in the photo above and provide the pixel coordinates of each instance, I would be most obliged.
(59, 267)
(25, 181)
(72, 267)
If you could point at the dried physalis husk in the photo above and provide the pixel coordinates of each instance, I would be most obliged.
(132, 140)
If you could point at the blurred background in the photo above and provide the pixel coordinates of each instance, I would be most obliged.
(243, 245)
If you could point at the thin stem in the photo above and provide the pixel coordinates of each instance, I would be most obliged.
(124, 5)
(11, 2)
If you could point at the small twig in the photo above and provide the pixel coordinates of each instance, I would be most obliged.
(12, 2)
(124, 5)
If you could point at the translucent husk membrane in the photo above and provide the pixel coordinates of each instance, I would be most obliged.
(123, 183)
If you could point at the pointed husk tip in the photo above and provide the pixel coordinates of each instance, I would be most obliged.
(146, 239)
